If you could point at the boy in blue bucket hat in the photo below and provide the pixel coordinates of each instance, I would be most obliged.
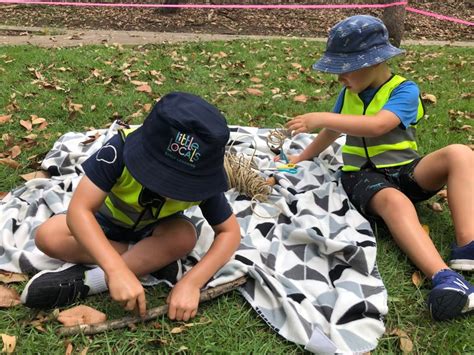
(126, 215)
(383, 174)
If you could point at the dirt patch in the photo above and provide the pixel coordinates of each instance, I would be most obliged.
(302, 23)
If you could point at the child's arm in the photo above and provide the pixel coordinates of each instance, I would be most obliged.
(124, 287)
(323, 140)
(354, 125)
(183, 299)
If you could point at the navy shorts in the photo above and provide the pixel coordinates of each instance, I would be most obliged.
(362, 185)
(126, 235)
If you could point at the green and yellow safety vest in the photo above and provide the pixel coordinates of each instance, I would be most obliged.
(395, 148)
(122, 204)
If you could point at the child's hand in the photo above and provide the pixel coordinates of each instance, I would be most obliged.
(126, 289)
(293, 159)
(183, 301)
(303, 123)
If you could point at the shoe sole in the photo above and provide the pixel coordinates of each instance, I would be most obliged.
(462, 264)
(447, 304)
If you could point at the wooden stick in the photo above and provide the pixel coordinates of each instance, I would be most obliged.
(151, 314)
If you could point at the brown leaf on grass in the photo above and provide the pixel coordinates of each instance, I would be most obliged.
(7, 140)
(84, 351)
(27, 125)
(429, 98)
(144, 88)
(466, 127)
(91, 139)
(255, 80)
(40, 174)
(8, 297)
(138, 83)
(9, 162)
(3, 194)
(15, 151)
(5, 118)
(35, 120)
(417, 278)
(146, 107)
(435, 206)
(8, 277)
(254, 92)
(9, 343)
(178, 330)
(426, 228)
(443, 194)
(300, 98)
(406, 345)
(69, 348)
(81, 315)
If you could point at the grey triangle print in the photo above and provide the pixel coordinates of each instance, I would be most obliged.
(308, 254)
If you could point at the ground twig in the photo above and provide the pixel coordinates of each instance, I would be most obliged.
(151, 314)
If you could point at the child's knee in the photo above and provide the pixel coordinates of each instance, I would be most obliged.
(459, 154)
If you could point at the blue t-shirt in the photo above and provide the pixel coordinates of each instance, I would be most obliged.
(106, 165)
(403, 101)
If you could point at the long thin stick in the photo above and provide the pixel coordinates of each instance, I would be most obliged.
(152, 313)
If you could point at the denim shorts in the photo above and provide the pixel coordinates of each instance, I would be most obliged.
(362, 185)
(127, 235)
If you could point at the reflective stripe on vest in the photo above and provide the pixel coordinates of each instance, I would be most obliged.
(122, 203)
(395, 148)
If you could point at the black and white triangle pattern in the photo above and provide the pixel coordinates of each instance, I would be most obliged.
(309, 255)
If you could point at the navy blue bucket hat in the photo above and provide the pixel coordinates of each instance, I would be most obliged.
(354, 43)
(178, 152)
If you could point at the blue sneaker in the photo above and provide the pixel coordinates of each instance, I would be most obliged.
(451, 295)
(462, 258)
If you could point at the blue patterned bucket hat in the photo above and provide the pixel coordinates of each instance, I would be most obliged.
(354, 43)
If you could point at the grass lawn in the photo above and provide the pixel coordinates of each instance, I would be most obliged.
(74, 89)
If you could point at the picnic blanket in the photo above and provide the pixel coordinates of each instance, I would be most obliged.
(309, 255)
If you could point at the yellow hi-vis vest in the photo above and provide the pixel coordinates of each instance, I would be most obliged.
(122, 204)
(395, 148)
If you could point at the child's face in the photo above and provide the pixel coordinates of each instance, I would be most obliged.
(358, 80)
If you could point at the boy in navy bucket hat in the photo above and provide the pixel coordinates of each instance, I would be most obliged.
(126, 214)
(383, 174)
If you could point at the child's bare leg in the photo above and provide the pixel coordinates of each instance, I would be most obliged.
(453, 165)
(401, 218)
(54, 239)
(170, 241)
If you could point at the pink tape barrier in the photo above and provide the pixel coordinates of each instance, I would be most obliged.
(237, 6)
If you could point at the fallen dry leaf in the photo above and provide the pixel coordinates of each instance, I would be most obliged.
(8, 297)
(15, 151)
(81, 315)
(69, 348)
(40, 174)
(300, 98)
(9, 343)
(406, 345)
(8, 277)
(26, 124)
(255, 92)
(9, 162)
(3, 194)
(5, 118)
(417, 278)
(429, 98)
(144, 88)
(436, 206)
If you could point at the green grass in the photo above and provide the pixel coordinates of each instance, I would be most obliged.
(221, 72)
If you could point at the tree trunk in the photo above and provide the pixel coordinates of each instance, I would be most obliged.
(394, 19)
(170, 10)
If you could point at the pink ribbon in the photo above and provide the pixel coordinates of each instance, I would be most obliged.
(245, 7)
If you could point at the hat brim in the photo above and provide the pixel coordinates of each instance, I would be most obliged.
(340, 63)
(165, 180)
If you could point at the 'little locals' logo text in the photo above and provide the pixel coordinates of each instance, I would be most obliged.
(184, 145)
